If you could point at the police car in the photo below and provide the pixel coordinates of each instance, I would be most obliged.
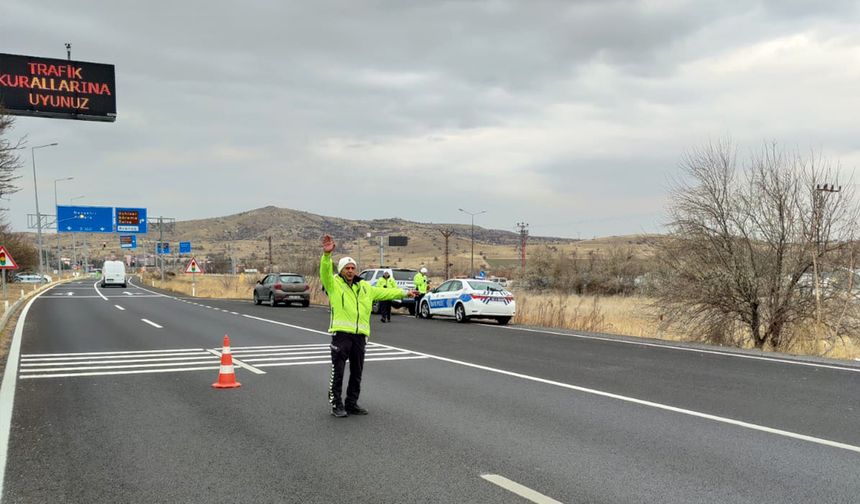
(465, 298)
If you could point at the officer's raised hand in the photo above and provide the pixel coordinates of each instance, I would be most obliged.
(328, 244)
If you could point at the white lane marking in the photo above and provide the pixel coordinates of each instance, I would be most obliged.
(367, 355)
(239, 363)
(280, 347)
(285, 324)
(70, 293)
(134, 371)
(153, 324)
(57, 296)
(118, 307)
(7, 388)
(158, 294)
(683, 349)
(328, 361)
(30, 365)
(666, 407)
(236, 313)
(95, 286)
(128, 352)
(72, 367)
(523, 491)
(83, 356)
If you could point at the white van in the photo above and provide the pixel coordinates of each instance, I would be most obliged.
(113, 273)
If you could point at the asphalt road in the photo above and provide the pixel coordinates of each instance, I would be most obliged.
(113, 403)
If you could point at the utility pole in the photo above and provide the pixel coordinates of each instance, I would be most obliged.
(817, 200)
(446, 233)
(381, 253)
(160, 247)
(270, 254)
(524, 234)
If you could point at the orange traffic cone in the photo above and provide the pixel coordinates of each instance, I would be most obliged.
(226, 376)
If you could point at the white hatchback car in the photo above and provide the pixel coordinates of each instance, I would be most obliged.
(467, 298)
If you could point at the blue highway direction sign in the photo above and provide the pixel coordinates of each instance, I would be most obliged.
(130, 220)
(184, 247)
(128, 241)
(162, 248)
(84, 219)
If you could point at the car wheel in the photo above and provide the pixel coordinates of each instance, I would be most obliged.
(257, 299)
(306, 303)
(272, 301)
(425, 310)
(460, 314)
(503, 320)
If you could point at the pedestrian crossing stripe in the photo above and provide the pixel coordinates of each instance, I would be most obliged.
(64, 365)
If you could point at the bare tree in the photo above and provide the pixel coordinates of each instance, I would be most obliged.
(10, 162)
(744, 242)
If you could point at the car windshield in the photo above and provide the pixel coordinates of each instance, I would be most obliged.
(292, 279)
(483, 285)
(404, 275)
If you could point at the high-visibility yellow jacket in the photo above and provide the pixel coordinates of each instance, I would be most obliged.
(384, 283)
(420, 282)
(351, 304)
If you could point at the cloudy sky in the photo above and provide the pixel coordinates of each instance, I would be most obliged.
(568, 115)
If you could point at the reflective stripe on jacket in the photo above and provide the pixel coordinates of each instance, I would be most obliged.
(351, 304)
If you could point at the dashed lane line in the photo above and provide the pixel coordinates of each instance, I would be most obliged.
(153, 324)
(521, 490)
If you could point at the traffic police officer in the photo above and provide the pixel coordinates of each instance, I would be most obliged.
(351, 300)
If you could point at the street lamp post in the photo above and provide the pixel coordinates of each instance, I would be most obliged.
(74, 238)
(59, 263)
(36, 192)
(472, 262)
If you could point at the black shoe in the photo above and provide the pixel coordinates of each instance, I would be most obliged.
(356, 410)
(338, 411)
(382, 320)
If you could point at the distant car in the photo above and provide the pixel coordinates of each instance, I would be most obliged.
(284, 288)
(469, 298)
(32, 278)
(113, 273)
(404, 278)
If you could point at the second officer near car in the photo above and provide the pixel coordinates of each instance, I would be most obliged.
(386, 282)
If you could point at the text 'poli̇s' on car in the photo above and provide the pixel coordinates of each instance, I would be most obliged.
(467, 298)
(284, 288)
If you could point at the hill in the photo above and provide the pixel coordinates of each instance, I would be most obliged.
(295, 236)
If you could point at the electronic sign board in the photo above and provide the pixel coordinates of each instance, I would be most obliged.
(48, 87)
(398, 241)
(184, 247)
(84, 219)
(128, 241)
(130, 220)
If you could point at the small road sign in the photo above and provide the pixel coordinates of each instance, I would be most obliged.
(193, 267)
(185, 247)
(6, 261)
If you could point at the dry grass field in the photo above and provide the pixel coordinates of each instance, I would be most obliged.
(629, 316)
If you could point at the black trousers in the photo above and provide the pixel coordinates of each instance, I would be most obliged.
(346, 347)
(418, 305)
(385, 310)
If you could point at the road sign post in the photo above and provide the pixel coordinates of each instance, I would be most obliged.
(193, 268)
